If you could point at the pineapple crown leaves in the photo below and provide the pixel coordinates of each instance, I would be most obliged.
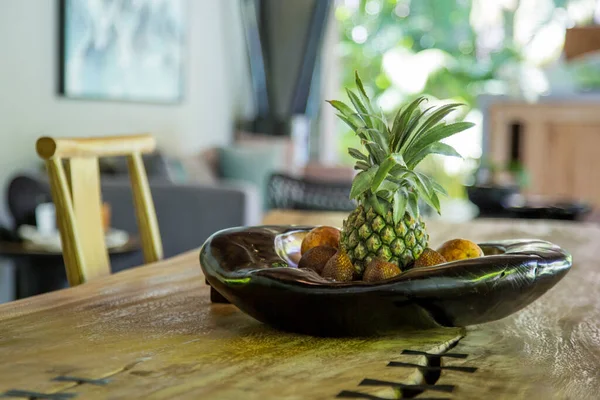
(387, 178)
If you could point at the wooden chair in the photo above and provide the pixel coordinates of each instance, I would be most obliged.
(77, 197)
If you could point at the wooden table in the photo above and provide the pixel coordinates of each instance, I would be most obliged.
(152, 333)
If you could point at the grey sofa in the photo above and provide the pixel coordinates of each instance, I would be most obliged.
(187, 213)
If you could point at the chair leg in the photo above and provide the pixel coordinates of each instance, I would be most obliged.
(216, 297)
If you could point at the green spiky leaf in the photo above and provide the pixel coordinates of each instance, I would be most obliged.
(413, 205)
(412, 130)
(399, 206)
(388, 185)
(361, 109)
(361, 165)
(377, 204)
(341, 107)
(435, 148)
(433, 136)
(375, 136)
(362, 182)
(349, 122)
(384, 169)
(429, 197)
(357, 154)
(430, 120)
(401, 122)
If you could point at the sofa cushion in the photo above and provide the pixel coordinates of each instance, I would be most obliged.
(251, 164)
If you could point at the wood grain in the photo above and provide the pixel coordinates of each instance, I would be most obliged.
(104, 146)
(87, 208)
(144, 209)
(77, 197)
(65, 217)
(154, 333)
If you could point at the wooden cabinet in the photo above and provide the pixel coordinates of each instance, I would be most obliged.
(558, 144)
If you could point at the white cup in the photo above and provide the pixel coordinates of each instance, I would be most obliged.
(45, 218)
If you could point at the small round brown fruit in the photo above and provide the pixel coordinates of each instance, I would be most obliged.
(321, 236)
(460, 249)
(429, 258)
(379, 270)
(339, 267)
(316, 258)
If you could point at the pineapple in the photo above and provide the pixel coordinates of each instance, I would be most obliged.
(386, 223)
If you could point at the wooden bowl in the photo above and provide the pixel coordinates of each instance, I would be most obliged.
(256, 269)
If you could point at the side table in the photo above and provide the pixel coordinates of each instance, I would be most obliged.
(38, 270)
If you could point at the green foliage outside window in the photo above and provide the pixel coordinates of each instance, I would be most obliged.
(450, 49)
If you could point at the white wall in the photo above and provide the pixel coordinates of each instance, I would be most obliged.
(216, 87)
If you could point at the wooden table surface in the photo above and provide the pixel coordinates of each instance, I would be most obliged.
(152, 333)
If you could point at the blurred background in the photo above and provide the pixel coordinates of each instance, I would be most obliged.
(234, 91)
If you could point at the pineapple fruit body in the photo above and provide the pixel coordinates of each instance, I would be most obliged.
(367, 235)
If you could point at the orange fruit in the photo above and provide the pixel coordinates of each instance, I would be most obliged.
(428, 258)
(316, 258)
(339, 267)
(379, 270)
(321, 236)
(460, 249)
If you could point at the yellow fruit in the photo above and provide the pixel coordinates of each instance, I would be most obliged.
(321, 236)
(460, 249)
(339, 267)
(428, 258)
(316, 258)
(379, 270)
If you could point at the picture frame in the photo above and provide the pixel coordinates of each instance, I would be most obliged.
(120, 50)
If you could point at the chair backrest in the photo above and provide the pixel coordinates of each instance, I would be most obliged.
(77, 197)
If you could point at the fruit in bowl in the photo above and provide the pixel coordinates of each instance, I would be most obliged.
(316, 258)
(321, 236)
(386, 224)
(429, 258)
(460, 249)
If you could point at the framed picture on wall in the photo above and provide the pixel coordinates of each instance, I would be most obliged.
(122, 50)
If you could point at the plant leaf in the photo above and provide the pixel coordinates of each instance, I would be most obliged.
(384, 194)
(375, 136)
(435, 148)
(362, 182)
(360, 108)
(377, 204)
(412, 130)
(348, 122)
(341, 107)
(438, 188)
(384, 169)
(401, 122)
(360, 86)
(432, 184)
(431, 120)
(413, 205)
(399, 205)
(357, 154)
(361, 165)
(436, 134)
(388, 185)
(374, 150)
(427, 197)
